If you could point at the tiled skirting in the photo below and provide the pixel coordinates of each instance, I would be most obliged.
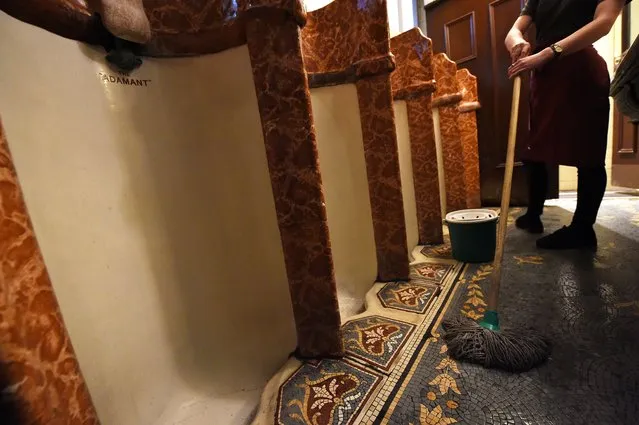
(380, 344)
(585, 303)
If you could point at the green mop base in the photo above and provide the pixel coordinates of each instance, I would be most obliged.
(490, 321)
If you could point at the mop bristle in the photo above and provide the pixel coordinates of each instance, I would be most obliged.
(512, 350)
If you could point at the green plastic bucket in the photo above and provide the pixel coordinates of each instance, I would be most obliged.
(473, 235)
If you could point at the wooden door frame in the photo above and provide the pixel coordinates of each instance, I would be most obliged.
(625, 134)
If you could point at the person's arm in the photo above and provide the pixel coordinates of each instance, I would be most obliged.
(515, 42)
(605, 17)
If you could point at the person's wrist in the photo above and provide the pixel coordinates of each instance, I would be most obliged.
(513, 39)
(548, 54)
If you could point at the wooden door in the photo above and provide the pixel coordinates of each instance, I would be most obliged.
(625, 158)
(472, 33)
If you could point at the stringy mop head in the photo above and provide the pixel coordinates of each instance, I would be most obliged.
(512, 350)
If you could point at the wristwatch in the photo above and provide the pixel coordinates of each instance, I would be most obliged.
(557, 50)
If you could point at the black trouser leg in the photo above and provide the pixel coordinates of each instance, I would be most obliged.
(537, 187)
(591, 187)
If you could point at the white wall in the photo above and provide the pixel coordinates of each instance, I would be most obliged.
(634, 21)
(343, 166)
(401, 13)
(312, 5)
(154, 211)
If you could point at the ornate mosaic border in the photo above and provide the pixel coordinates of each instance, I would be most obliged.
(329, 392)
(443, 251)
(376, 340)
(354, 390)
(391, 391)
(430, 272)
(407, 296)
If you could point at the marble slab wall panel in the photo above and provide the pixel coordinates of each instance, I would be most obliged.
(179, 27)
(424, 157)
(67, 18)
(447, 98)
(347, 41)
(470, 138)
(34, 344)
(291, 149)
(413, 82)
(384, 179)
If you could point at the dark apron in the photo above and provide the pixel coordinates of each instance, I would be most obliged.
(569, 111)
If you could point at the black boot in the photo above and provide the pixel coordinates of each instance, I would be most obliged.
(537, 188)
(530, 223)
(591, 187)
(571, 237)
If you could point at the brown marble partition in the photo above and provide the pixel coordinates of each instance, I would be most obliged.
(34, 343)
(348, 41)
(179, 27)
(67, 18)
(291, 150)
(413, 82)
(384, 183)
(447, 99)
(470, 139)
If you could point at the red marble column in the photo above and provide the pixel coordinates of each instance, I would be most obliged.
(447, 99)
(424, 158)
(348, 41)
(34, 343)
(467, 122)
(413, 82)
(284, 103)
(384, 179)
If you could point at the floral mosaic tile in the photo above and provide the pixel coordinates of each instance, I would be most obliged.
(408, 296)
(431, 272)
(330, 392)
(443, 251)
(376, 340)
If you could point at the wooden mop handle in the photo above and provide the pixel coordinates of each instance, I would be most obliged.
(493, 296)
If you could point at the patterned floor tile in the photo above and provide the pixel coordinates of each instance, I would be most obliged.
(407, 296)
(376, 340)
(330, 392)
(584, 303)
(443, 251)
(431, 272)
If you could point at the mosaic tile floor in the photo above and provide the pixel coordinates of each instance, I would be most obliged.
(397, 370)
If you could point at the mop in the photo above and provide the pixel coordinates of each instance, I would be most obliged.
(486, 343)
(126, 20)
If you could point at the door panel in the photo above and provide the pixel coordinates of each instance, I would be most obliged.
(462, 32)
(472, 33)
(625, 157)
(625, 160)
